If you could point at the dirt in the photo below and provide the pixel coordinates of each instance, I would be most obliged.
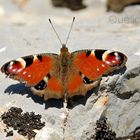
(24, 123)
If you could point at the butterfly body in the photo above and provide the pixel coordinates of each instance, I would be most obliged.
(54, 76)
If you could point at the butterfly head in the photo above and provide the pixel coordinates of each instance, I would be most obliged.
(114, 58)
(64, 49)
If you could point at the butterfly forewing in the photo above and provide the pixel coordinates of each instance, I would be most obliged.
(30, 69)
(95, 63)
(40, 72)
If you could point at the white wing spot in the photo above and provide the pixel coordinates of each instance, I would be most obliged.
(24, 72)
(98, 69)
(19, 70)
(29, 76)
(11, 63)
(103, 65)
(107, 62)
(113, 61)
(116, 54)
(14, 70)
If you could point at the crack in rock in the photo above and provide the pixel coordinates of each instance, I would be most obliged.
(65, 117)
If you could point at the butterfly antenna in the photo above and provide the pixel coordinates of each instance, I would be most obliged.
(55, 32)
(70, 30)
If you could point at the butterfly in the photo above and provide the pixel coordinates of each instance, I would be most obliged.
(65, 74)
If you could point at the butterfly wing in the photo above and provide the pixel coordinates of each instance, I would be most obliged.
(43, 72)
(40, 72)
(88, 66)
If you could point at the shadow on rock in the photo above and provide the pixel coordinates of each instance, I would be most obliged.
(17, 89)
(72, 102)
(58, 103)
(23, 90)
(76, 100)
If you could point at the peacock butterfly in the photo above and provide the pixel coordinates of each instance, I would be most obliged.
(68, 74)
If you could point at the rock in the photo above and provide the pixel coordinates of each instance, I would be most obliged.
(123, 109)
(128, 84)
(82, 120)
(71, 4)
(119, 5)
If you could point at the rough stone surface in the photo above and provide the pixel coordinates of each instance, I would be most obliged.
(124, 105)
(24, 30)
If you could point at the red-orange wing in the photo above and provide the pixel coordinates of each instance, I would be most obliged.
(41, 72)
(95, 63)
(88, 66)
(30, 69)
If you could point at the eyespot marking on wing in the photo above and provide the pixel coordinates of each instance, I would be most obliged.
(43, 83)
(13, 67)
(114, 59)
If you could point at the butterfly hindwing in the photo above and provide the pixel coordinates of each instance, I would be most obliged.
(76, 84)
